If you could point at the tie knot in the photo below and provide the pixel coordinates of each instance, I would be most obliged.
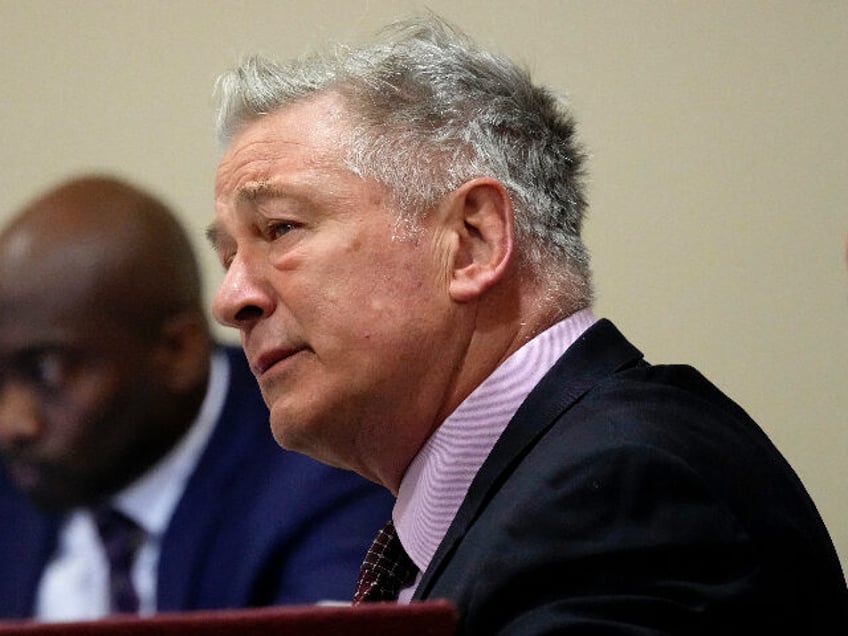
(121, 536)
(386, 570)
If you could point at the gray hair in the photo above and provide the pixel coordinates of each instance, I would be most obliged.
(428, 111)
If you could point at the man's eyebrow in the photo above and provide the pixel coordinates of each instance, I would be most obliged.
(217, 236)
(257, 190)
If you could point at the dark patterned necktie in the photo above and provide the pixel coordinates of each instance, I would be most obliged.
(121, 537)
(387, 569)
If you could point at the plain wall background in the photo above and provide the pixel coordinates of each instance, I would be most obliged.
(717, 133)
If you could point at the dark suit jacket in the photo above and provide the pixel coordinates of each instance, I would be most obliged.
(627, 498)
(256, 525)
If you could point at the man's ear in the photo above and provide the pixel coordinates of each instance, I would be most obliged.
(183, 351)
(482, 216)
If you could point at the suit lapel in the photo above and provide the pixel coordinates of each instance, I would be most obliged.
(28, 538)
(597, 354)
(195, 521)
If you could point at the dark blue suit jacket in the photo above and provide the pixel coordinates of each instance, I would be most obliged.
(256, 525)
(625, 498)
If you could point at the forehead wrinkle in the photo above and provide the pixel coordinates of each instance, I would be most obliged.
(257, 159)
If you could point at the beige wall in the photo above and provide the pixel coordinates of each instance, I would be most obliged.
(718, 135)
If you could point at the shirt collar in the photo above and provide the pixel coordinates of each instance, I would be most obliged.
(439, 476)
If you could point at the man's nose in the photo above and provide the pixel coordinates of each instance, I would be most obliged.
(19, 414)
(242, 298)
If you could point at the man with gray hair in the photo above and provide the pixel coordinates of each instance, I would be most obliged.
(400, 229)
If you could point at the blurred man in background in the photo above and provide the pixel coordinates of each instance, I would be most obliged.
(138, 472)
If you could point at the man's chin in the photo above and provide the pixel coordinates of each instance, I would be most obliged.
(289, 437)
(27, 476)
(47, 492)
(303, 439)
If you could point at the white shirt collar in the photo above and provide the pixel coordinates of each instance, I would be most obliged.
(437, 480)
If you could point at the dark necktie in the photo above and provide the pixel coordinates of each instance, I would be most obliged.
(121, 537)
(387, 569)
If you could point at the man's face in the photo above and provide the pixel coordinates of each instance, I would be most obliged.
(75, 391)
(346, 324)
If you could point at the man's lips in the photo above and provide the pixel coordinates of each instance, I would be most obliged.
(264, 361)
